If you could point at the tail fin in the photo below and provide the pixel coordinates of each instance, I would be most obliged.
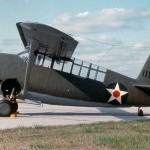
(144, 76)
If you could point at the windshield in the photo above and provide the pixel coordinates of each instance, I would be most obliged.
(24, 55)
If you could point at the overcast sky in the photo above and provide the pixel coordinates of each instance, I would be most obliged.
(112, 33)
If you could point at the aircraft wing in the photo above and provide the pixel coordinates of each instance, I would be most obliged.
(52, 42)
(144, 88)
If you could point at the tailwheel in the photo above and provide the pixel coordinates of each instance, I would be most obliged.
(140, 112)
(7, 108)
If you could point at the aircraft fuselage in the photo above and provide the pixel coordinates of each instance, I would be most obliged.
(66, 85)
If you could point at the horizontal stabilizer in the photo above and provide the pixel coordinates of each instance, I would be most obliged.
(144, 88)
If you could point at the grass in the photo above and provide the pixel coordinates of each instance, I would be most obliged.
(134, 135)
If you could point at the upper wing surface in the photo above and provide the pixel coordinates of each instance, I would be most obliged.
(51, 41)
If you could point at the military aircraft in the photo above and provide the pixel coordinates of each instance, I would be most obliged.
(46, 73)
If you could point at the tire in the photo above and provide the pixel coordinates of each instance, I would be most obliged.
(140, 112)
(5, 108)
(14, 107)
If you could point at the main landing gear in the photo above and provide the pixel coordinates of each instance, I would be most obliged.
(8, 105)
(7, 108)
(140, 112)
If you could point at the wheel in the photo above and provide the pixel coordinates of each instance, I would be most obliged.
(140, 112)
(14, 107)
(5, 108)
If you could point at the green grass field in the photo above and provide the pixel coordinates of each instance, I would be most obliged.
(124, 135)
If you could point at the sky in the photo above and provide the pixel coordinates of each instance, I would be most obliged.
(114, 34)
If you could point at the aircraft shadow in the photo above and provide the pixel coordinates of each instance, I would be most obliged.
(115, 112)
(121, 114)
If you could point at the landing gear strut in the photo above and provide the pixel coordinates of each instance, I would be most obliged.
(140, 112)
(10, 88)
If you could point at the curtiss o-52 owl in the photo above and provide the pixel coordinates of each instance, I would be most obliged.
(46, 72)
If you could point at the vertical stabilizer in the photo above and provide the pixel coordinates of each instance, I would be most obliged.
(144, 76)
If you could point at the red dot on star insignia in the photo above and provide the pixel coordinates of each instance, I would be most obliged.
(116, 93)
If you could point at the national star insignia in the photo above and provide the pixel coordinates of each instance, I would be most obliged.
(116, 94)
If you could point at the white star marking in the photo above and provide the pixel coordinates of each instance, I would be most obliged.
(118, 98)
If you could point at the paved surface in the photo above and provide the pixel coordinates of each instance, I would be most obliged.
(33, 115)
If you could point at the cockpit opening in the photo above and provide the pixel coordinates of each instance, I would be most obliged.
(74, 66)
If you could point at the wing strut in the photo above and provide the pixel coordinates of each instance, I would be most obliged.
(33, 46)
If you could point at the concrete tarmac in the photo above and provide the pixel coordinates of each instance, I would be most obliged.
(50, 115)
